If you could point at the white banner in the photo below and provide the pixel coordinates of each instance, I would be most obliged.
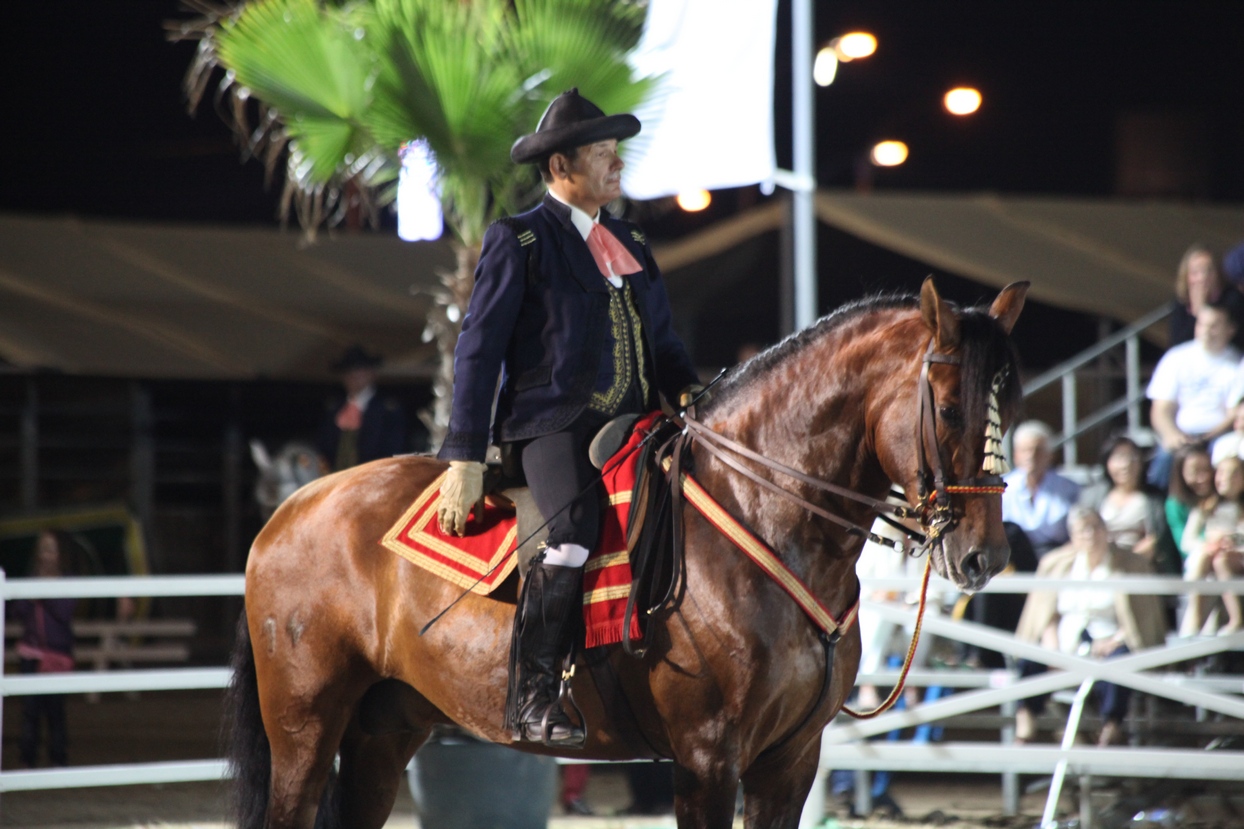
(710, 123)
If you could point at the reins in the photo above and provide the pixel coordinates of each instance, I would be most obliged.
(897, 690)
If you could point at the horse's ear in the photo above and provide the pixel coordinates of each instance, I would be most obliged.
(940, 318)
(1010, 302)
(259, 455)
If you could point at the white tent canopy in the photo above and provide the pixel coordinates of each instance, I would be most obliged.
(1112, 258)
(145, 300)
(122, 299)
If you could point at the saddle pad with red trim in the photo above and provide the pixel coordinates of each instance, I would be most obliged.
(485, 557)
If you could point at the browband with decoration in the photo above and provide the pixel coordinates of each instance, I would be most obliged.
(995, 461)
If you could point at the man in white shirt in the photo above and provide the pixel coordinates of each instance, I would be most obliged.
(1191, 390)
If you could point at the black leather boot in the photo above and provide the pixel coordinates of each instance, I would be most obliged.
(542, 629)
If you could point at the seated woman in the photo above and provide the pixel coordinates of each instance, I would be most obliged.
(1192, 481)
(1199, 281)
(1135, 517)
(1101, 623)
(1212, 542)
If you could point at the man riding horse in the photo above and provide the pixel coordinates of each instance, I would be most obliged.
(570, 307)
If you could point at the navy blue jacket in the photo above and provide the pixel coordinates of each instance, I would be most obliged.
(382, 432)
(542, 324)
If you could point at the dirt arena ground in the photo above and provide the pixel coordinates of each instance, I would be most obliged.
(182, 726)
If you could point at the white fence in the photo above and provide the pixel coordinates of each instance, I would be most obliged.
(843, 745)
(156, 679)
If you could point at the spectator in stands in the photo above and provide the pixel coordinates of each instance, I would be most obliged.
(1191, 389)
(1037, 498)
(46, 646)
(1100, 623)
(1198, 282)
(1191, 483)
(364, 426)
(883, 643)
(1212, 542)
(1231, 445)
(1233, 266)
(1135, 517)
(997, 610)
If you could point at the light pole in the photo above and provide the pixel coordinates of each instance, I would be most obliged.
(801, 180)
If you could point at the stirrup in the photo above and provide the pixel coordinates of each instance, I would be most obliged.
(564, 695)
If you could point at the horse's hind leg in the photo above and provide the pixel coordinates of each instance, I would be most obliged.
(774, 792)
(302, 762)
(371, 773)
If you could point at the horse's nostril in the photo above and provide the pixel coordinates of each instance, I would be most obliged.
(974, 565)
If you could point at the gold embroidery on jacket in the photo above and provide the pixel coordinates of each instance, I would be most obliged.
(628, 351)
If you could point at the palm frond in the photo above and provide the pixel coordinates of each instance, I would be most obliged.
(581, 43)
(309, 64)
(343, 83)
(443, 77)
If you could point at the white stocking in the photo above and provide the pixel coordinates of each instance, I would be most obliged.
(566, 555)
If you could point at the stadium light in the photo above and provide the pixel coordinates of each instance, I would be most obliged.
(962, 100)
(693, 201)
(889, 153)
(844, 49)
(855, 45)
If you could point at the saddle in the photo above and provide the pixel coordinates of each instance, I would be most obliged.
(654, 557)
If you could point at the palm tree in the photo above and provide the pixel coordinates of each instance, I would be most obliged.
(339, 87)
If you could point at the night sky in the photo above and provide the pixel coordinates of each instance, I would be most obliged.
(95, 122)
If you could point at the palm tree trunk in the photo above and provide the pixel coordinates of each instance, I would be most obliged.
(445, 324)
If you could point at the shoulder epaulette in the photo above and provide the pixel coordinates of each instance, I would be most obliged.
(523, 233)
(526, 237)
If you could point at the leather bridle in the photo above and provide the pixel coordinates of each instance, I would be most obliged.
(935, 512)
(937, 515)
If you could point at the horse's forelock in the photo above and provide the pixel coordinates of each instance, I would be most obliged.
(985, 351)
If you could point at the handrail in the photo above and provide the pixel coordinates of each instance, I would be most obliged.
(1093, 352)
(1097, 418)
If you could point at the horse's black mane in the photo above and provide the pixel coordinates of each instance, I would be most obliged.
(985, 351)
(744, 374)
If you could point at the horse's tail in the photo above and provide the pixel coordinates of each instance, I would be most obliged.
(246, 744)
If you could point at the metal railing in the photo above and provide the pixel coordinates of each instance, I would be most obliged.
(155, 679)
(1065, 372)
(843, 745)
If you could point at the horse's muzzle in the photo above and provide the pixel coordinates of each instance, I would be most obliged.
(978, 567)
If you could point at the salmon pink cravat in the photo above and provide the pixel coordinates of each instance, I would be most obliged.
(350, 417)
(608, 251)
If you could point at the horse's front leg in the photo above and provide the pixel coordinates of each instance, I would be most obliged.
(705, 786)
(774, 792)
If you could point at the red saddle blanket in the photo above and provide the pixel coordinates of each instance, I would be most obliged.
(485, 557)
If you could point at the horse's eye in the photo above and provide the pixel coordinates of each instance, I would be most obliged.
(951, 416)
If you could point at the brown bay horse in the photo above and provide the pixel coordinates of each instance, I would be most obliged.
(732, 688)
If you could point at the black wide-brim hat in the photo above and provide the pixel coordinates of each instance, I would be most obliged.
(571, 121)
(356, 356)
